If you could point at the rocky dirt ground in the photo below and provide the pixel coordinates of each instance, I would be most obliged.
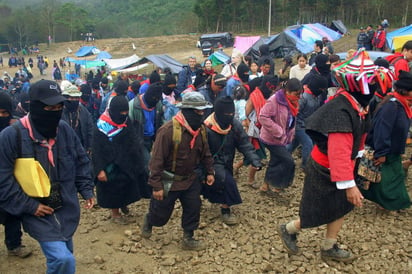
(381, 239)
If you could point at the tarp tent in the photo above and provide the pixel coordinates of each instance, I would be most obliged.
(121, 63)
(281, 45)
(219, 57)
(338, 26)
(396, 33)
(103, 55)
(86, 51)
(86, 63)
(312, 32)
(163, 61)
(224, 38)
(399, 41)
(243, 43)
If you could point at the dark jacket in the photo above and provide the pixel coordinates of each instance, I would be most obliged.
(211, 97)
(223, 149)
(121, 159)
(73, 174)
(390, 129)
(308, 104)
(184, 79)
(82, 123)
(187, 159)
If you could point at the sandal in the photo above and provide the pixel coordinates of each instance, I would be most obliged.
(125, 210)
(254, 185)
(120, 220)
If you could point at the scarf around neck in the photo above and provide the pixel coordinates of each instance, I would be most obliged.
(404, 102)
(211, 123)
(108, 127)
(182, 121)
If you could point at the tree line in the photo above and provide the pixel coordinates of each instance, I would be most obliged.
(66, 20)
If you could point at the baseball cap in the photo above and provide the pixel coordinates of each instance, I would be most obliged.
(194, 99)
(46, 91)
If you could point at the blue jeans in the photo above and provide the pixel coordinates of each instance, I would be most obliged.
(59, 255)
(12, 231)
(301, 138)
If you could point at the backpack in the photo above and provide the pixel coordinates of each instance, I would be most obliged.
(393, 62)
(177, 138)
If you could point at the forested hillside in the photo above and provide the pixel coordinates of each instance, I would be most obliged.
(26, 21)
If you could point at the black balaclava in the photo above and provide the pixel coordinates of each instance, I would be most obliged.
(317, 84)
(364, 99)
(121, 87)
(44, 121)
(71, 106)
(135, 86)
(243, 72)
(320, 62)
(269, 83)
(224, 111)
(25, 101)
(118, 104)
(154, 77)
(264, 49)
(170, 80)
(5, 103)
(153, 95)
(86, 92)
(193, 119)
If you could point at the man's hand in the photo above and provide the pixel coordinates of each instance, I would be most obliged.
(210, 179)
(43, 210)
(102, 176)
(354, 196)
(379, 161)
(89, 203)
(158, 195)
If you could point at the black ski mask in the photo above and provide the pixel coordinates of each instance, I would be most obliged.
(268, 85)
(86, 92)
(121, 87)
(71, 106)
(321, 64)
(6, 104)
(153, 95)
(318, 84)
(44, 121)
(365, 99)
(243, 72)
(193, 119)
(224, 111)
(117, 105)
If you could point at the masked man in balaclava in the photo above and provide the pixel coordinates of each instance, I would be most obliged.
(240, 78)
(225, 135)
(56, 147)
(12, 224)
(179, 160)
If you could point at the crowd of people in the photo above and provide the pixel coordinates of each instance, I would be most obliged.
(167, 139)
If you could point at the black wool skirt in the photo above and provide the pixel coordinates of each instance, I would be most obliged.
(322, 203)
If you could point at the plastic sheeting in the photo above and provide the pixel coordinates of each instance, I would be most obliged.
(396, 33)
(243, 43)
(163, 61)
(86, 51)
(121, 63)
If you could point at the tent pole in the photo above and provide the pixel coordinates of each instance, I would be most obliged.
(270, 9)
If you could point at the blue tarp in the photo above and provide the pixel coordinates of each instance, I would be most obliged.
(103, 55)
(163, 61)
(399, 32)
(86, 51)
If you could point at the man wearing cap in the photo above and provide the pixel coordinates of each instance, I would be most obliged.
(12, 224)
(213, 90)
(181, 160)
(53, 220)
(370, 32)
(379, 39)
(76, 115)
